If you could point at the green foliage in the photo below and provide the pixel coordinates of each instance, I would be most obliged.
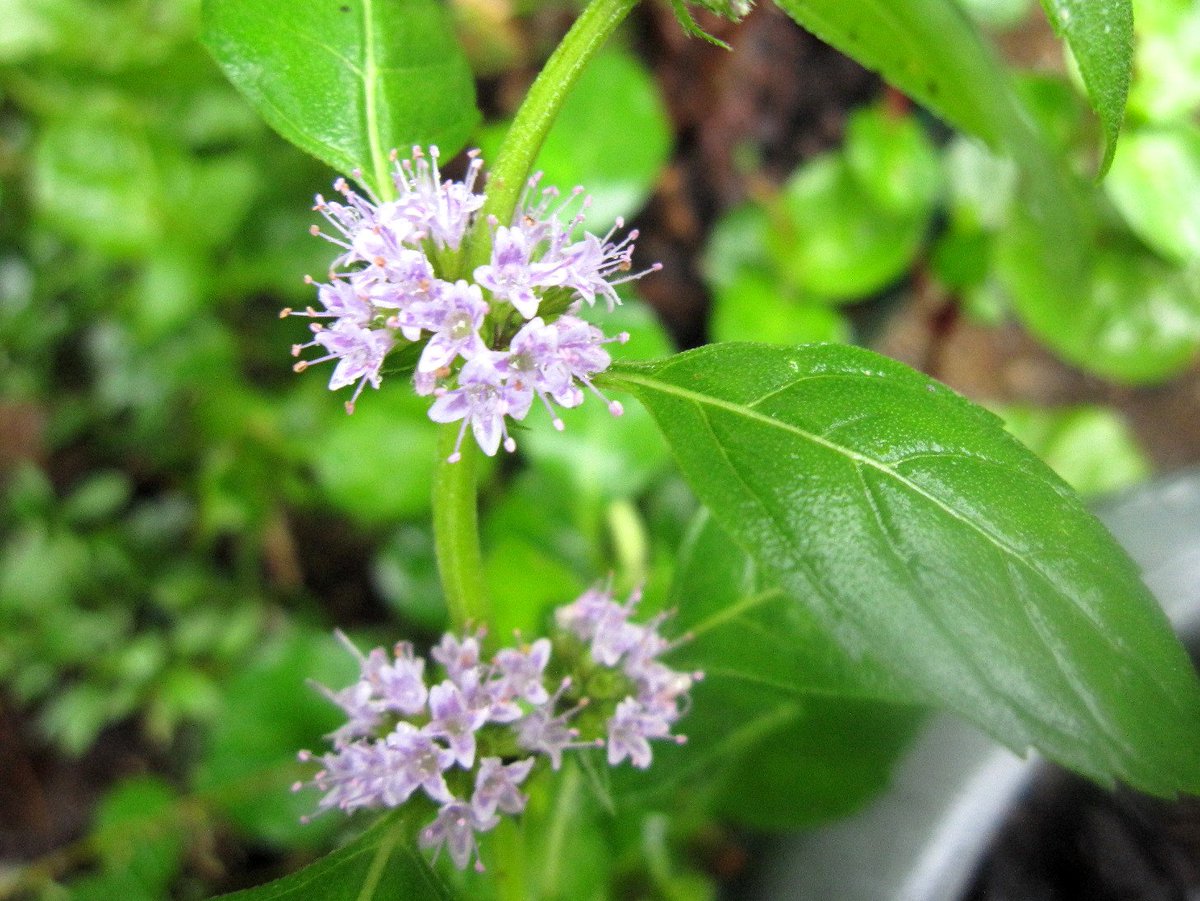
(886, 503)
(1100, 35)
(1090, 448)
(846, 225)
(348, 81)
(381, 863)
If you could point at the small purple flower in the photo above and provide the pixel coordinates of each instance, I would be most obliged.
(361, 707)
(457, 656)
(359, 352)
(418, 763)
(482, 401)
(628, 730)
(442, 209)
(400, 685)
(597, 618)
(455, 828)
(353, 777)
(453, 718)
(512, 275)
(545, 732)
(456, 332)
(521, 672)
(496, 787)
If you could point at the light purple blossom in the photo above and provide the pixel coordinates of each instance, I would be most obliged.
(453, 718)
(456, 328)
(629, 730)
(400, 685)
(521, 672)
(482, 401)
(455, 828)
(419, 762)
(496, 787)
(457, 656)
(441, 210)
(512, 274)
(401, 738)
(359, 352)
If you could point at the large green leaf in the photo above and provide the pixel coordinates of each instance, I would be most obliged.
(921, 534)
(380, 864)
(1100, 35)
(348, 80)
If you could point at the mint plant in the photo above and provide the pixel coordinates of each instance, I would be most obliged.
(872, 543)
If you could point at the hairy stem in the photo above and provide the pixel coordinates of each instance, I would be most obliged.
(511, 168)
(456, 530)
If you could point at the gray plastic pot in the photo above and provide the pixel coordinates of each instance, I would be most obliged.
(925, 838)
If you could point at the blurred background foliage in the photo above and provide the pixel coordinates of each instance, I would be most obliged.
(183, 520)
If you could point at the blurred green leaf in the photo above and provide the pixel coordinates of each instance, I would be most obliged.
(1091, 448)
(138, 831)
(884, 502)
(892, 159)
(1167, 60)
(616, 104)
(95, 180)
(1100, 35)
(1134, 320)
(932, 52)
(1155, 183)
(754, 307)
(269, 714)
(836, 242)
(377, 464)
(100, 497)
(349, 80)
(380, 865)
(406, 576)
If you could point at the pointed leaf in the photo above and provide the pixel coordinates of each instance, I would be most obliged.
(380, 864)
(1100, 35)
(348, 80)
(920, 533)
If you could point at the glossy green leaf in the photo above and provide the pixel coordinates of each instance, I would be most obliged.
(1155, 183)
(1091, 448)
(921, 534)
(1100, 35)
(381, 864)
(617, 106)
(1132, 319)
(348, 80)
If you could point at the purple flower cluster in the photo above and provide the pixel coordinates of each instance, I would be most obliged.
(491, 345)
(469, 741)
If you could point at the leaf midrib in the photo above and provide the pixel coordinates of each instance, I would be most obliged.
(1003, 546)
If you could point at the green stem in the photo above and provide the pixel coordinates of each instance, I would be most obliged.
(456, 530)
(510, 170)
